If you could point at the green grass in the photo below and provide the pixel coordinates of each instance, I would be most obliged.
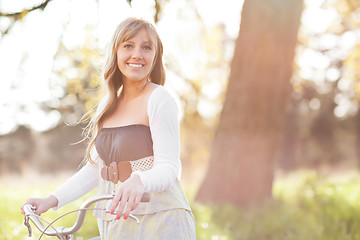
(306, 206)
(14, 193)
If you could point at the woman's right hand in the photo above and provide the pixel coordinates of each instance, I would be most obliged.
(41, 204)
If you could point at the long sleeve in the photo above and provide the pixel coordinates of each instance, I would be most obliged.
(82, 182)
(164, 127)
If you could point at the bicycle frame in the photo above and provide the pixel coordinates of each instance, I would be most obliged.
(64, 233)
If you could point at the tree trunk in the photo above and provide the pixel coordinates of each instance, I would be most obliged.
(357, 136)
(251, 126)
(291, 148)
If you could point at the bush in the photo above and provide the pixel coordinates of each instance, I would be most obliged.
(306, 206)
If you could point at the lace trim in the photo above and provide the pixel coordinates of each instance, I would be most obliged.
(142, 164)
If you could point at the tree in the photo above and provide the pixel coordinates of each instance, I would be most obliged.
(251, 126)
(18, 16)
(14, 17)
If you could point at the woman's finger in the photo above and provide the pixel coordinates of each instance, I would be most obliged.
(129, 206)
(31, 201)
(122, 205)
(115, 201)
(38, 212)
(136, 202)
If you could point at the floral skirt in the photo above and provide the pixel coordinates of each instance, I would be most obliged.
(174, 224)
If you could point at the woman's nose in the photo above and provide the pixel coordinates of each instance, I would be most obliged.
(136, 53)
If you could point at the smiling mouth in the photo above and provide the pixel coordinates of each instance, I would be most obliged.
(135, 65)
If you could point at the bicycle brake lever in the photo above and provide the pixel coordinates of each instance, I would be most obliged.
(135, 218)
(107, 210)
(27, 224)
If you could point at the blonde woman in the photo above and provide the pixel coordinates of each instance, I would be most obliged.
(134, 145)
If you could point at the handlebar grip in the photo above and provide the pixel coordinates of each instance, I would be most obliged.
(29, 209)
(30, 215)
(144, 198)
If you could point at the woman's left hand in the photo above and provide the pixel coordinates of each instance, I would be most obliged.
(128, 196)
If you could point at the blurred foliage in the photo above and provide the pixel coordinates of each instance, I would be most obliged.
(322, 124)
(51, 151)
(81, 68)
(306, 205)
(12, 17)
(198, 71)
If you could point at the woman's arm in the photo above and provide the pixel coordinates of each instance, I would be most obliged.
(165, 133)
(85, 180)
(164, 127)
(79, 184)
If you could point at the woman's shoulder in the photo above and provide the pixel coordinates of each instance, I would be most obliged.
(161, 98)
(159, 93)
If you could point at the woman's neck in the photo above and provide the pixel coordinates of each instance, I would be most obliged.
(132, 90)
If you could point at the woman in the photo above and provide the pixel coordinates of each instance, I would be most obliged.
(134, 145)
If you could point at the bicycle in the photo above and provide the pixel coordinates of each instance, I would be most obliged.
(66, 233)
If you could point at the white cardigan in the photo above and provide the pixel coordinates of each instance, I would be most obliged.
(164, 126)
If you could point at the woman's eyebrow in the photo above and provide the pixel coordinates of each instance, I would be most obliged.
(146, 42)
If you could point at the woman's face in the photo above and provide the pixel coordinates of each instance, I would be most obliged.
(135, 57)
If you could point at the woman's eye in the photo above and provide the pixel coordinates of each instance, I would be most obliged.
(147, 47)
(127, 46)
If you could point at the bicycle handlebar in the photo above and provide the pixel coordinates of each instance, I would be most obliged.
(64, 231)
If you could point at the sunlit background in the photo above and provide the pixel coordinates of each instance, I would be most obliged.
(50, 63)
(28, 51)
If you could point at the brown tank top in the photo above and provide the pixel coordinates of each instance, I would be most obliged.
(125, 143)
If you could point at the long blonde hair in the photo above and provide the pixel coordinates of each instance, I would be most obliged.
(112, 77)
